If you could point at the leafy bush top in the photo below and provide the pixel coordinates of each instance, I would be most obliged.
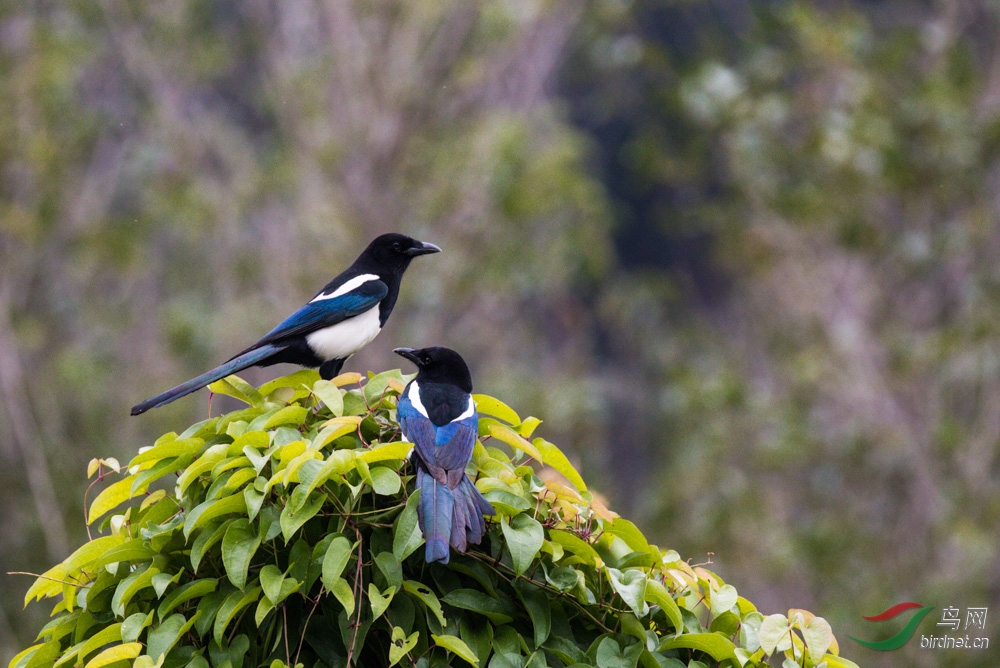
(290, 538)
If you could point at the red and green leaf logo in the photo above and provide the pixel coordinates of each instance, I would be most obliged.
(904, 635)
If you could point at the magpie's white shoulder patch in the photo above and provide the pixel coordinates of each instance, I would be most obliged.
(469, 411)
(352, 284)
(414, 396)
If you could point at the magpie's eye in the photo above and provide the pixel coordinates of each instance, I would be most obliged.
(425, 360)
(396, 246)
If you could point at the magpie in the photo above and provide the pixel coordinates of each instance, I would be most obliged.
(339, 321)
(436, 412)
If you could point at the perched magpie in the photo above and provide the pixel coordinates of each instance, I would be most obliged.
(338, 322)
(437, 414)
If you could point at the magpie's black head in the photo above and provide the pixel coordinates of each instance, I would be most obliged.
(396, 250)
(439, 365)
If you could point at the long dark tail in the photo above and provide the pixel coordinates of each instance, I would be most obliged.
(239, 363)
(434, 514)
(468, 524)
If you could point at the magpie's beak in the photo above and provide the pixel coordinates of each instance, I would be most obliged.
(408, 353)
(421, 248)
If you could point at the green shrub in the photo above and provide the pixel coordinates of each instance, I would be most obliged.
(290, 537)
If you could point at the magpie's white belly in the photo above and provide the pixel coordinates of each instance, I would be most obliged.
(346, 337)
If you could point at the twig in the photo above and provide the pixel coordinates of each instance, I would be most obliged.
(284, 631)
(357, 600)
(305, 626)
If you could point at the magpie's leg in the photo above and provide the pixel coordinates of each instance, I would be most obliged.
(331, 368)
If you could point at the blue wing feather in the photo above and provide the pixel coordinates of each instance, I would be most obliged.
(328, 312)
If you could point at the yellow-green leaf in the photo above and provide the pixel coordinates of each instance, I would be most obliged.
(488, 405)
(287, 415)
(512, 438)
(554, 457)
(113, 654)
(386, 451)
(112, 497)
(457, 646)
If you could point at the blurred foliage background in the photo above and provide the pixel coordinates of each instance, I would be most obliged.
(742, 257)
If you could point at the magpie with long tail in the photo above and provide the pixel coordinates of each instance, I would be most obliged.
(339, 321)
(437, 414)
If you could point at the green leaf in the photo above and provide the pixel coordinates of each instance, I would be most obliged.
(134, 624)
(406, 534)
(238, 547)
(507, 503)
(723, 599)
(455, 645)
(330, 395)
(185, 593)
(205, 512)
(718, 647)
(390, 568)
(629, 533)
(386, 452)
(236, 387)
(341, 589)
(379, 601)
(524, 539)
(750, 631)
(112, 497)
(536, 602)
(576, 545)
(230, 607)
(163, 580)
(132, 550)
(175, 448)
(288, 415)
(338, 553)
(514, 439)
(555, 458)
(114, 654)
(609, 655)
(487, 405)
(528, 426)
(775, 634)
(818, 637)
(105, 636)
(129, 587)
(385, 481)
(401, 645)
(631, 586)
(477, 601)
(294, 380)
(254, 500)
(657, 594)
(206, 540)
(427, 597)
(292, 520)
(163, 638)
